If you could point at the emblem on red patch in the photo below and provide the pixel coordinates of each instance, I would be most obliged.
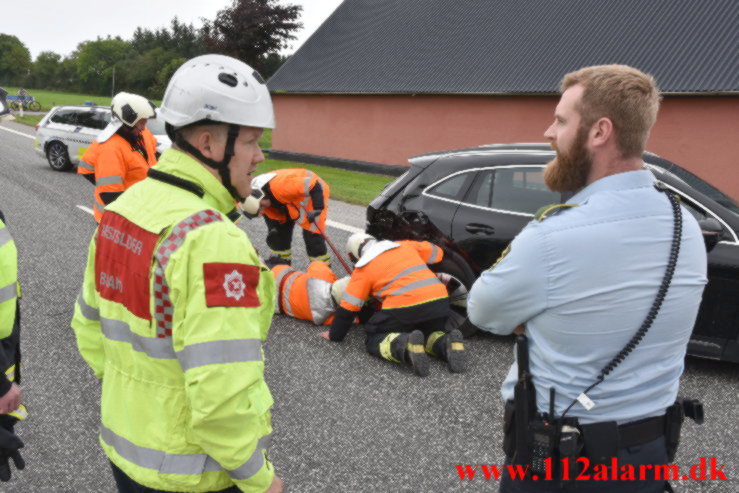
(229, 284)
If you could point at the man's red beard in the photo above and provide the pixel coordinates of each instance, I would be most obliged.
(568, 172)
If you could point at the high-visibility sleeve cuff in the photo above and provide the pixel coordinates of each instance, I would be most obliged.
(260, 481)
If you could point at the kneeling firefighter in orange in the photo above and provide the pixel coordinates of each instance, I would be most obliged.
(286, 197)
(410, 324)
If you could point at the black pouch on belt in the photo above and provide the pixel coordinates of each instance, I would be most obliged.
(600, 441)
(674, 417)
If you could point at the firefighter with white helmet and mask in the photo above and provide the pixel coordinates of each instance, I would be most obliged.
(122, 153)
(286, 197)
(411, 322)
(176, 304)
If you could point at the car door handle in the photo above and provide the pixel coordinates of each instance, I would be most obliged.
(479, 228)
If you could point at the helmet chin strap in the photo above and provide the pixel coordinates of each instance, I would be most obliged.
(222, 165)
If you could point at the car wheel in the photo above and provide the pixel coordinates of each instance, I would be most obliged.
(58, 157)
(458, 282)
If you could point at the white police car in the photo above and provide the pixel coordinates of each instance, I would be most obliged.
(65, 133)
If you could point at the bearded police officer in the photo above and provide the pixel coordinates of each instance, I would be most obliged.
(176, 303)
(581, 278)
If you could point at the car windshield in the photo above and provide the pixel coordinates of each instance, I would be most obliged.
(703, 187)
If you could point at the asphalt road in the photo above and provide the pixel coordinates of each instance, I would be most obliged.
(343, 421)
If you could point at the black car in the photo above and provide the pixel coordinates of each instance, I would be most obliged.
(474, 201)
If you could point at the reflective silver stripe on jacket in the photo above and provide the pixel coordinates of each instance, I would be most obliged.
(8, 292)
(85, 165)
(89, 312)
(255, 462)
(415, 285)
(410, 270)
(4, 236)
(320, 301)
(278, 280)
(154, 347)
(217, 352)
(184, 464)
(286, 294)
(109, 180)
(352, 299)
(306, 198)
(435, 255)
(99, 207)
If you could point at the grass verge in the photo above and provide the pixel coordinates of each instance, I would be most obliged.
(49, 99)
(30, 120)
(348, 186)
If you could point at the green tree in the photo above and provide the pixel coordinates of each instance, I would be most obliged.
(163, 76)
(68, 78)
(15, 61)
(251, 30)
(95, 62)
(138, 74)
(45, 70)
(183, 39)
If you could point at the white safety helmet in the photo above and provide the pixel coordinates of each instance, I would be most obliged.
(338, 287)
(251, 205)
(220, 89)
(355, 243)
(128, 109)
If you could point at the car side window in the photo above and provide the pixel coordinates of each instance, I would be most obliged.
(66, 117)
(521, 190)
(451, 188)
(87, 119)
(481, 192)
(98, 119)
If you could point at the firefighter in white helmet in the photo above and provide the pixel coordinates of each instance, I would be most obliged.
(122, 153)
(176, 304)
(411, 322)
(287, 197)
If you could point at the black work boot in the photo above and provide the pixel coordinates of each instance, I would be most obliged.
(448, 346)
(408, 348)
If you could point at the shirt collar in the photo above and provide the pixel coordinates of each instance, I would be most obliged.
(620, 181)
(180, 164)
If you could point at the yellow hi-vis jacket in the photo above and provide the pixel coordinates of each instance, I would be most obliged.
(173, 311)
(9, 326)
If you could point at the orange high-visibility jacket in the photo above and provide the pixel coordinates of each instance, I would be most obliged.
(398, 277)
(305, 295)
(118, 166)
(292, 187)
(84, 167)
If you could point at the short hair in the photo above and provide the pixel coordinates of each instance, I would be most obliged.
(624, 95)
(219, 130)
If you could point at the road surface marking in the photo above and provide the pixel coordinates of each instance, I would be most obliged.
(16, 132)
(86, 209)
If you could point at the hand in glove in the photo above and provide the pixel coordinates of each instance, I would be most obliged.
(313, 215)
(9, 445)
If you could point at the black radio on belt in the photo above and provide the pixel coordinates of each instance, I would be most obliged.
(542, 440)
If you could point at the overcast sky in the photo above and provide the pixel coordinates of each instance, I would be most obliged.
(58, 26)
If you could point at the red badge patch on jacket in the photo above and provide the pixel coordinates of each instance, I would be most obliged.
(231, 284)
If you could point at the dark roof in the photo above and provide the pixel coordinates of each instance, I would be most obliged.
(514, 46)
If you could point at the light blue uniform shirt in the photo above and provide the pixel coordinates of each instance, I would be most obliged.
(583, 281)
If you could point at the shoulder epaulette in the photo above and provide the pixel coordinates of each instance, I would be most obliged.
(551, 210)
